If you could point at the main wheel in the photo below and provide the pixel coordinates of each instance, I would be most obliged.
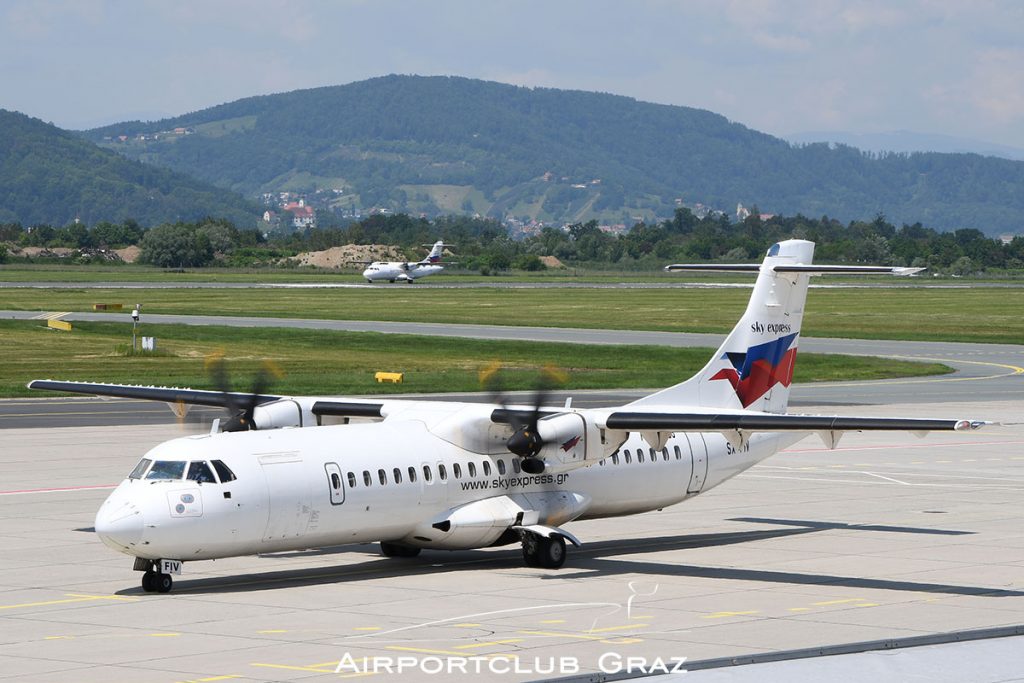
(162, 583)
(531, 543)
(398, 550)
(147, 582)
(551, 552)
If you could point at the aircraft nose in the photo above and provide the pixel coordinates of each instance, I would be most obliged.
(120, 525)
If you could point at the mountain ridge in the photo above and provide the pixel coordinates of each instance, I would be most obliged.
(52, 176)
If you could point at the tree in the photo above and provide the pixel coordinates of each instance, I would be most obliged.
(170, 246)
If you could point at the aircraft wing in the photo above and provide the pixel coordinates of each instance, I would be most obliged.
(769, 422)
(737, 427)
(167, 394)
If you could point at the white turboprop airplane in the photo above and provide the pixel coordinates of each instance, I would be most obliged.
(426, 474)
(407, 270)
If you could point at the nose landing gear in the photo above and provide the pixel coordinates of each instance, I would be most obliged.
(155, 582)
(156, 579)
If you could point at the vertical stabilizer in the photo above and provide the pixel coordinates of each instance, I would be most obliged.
(753, 368)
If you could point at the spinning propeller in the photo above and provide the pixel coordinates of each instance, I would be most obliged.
(241, 406)
(526, 441)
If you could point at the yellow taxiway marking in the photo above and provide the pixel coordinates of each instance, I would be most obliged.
(488, 644)
(290, 668)
(615, 628)
(72, 597)
(164, 635)
(836, 602)
(582, 636)
(1013, 370)
(402, 648)
(366, 628)
(867, 604)
(273, 630)
(553, 621)
(722, 615)
(799, 609)
(59, 638)
(466, 625)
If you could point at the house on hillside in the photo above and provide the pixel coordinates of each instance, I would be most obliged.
(302, 216)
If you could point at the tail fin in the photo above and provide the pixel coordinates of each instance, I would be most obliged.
(754, 366)
(435, 252)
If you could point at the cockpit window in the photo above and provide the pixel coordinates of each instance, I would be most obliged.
(167, 469)
(140, 469)
(223, 471)
(200, 472)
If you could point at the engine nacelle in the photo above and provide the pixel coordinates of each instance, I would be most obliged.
(283, 413)
(570, 441)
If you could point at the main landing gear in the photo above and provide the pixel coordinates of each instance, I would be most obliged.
(398, 550)
(543, 551)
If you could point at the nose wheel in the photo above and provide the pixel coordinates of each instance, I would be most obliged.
(155, 582)
(540, 551)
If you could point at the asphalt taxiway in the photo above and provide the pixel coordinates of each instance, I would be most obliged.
(887, 537)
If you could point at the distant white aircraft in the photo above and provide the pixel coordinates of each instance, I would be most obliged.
(408, 271)
(428, 474)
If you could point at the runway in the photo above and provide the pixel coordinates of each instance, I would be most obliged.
(889, 536)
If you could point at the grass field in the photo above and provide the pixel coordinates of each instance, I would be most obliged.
(970, 314)
(319, 362)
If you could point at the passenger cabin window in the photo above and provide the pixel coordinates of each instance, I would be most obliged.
(412, 475)
(654, 455)
(679, 454)
(426, 473)
(382, 476)
(223, 471)
(501, 466)
(615, 458)
(398, 475)
(639, 455)
(140, 469)
(629, 458)
(457, 471)
(442, 473)
(335, 481)
(487, 469)
(167, 469)
(472, 469)
(351, 480)
(515, 466)
(367, 479)
(200, 473)
(664, 453)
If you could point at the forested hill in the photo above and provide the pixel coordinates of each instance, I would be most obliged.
(52, 176)
(445, 144)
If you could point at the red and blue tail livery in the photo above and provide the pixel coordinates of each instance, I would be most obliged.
(754, 373)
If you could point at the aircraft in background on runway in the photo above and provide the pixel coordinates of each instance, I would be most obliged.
(408, 271)
(428, 474)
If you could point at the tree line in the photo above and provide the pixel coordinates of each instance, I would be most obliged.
(484, 245)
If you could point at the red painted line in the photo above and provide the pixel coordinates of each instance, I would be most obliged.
(61, 489)
(902, 446)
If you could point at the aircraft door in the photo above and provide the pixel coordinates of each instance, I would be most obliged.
(699, 455)
(335, 483)
(432, 487)
(289, 500)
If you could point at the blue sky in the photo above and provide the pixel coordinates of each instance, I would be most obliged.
(954, 68)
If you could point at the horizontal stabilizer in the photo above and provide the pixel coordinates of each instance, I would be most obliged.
(806, 269)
